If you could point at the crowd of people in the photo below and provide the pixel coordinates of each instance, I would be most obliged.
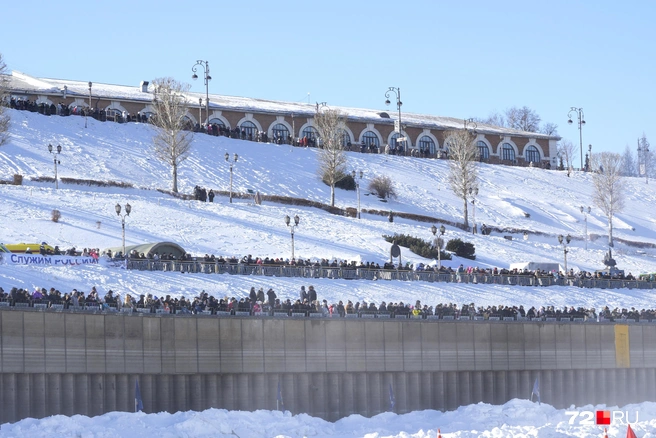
(306, 304)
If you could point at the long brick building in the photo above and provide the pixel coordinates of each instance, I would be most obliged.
(425, 133)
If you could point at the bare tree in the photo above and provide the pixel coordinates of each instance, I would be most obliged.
(494, 119)
(629, 164)
(566, 151)
(332, 159)
(608, 187)
(550, 129)
(4, 117)
(463, 166)
(523, 119)
(172, 142)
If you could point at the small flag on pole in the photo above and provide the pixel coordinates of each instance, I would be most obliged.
(279, 400)
(630, 433)
(391, 396)
(536, 389)
(138, 403)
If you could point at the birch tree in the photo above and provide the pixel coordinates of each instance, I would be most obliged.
(332, 158)
(609, 187)
(628, 163)
(172, 142)
(4, 117)
(566, 151)
(463, 166)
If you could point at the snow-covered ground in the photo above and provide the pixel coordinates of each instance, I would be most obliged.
(108, 151)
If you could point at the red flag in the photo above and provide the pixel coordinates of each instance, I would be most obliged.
(629, 433)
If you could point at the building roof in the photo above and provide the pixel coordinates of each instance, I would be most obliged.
(21, 82)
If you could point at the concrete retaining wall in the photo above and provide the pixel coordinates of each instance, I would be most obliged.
(87, 364)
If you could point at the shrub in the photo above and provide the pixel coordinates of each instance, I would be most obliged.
(55, 215)
(462, 249)
(417, 246)
(345, 181)
(382, 186)
(18, 179)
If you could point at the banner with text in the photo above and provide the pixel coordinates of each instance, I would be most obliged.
(41, 260)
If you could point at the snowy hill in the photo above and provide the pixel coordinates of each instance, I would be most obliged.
(121, 152)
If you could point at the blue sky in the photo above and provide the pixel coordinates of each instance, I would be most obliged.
(449, 58)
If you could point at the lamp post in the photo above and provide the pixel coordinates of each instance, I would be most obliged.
(438, 243)
(128, 209)
(321, 106)
(357, 186)
(397, 93)
(56, 161)
(227, 158)
(590, 157)
(473, 192)
(585, 219)
(643, 151)
(565, 241)
(292, 227)
(200, 112)
(470, 123)
(86, 112)
(581, 122)
(207, 78)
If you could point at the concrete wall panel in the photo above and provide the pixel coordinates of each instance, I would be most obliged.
(167, 345)
(274, 345)
(209, 351)
(13, 357)
(448, 348)
(548, 347)
(564, 345)
(578, 350)
(186, 348)
(533, 355)
(231, 345)
(648, 344)
(465, 346)
(253, 345)
(76, 361)
(516, 343)
(55, 342)
(374, 346)
(95, 341)
(393, 345)
(600, 345)
(295, 346)
(355, 346)
(134, 340)
(430, 355)
(412, 345)
(315, 346)
(636, 346)
(152, 343)
(34, 342)
(494, 338)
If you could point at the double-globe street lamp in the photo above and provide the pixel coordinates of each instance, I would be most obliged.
(564, 241)
(581, 123)
(355, 174)
(292, 227)
(227, 158)
(473, 192)
(399, 128)
(586, 212)
(128, 209)
(56, 161)
(438, 242)
(206, 76)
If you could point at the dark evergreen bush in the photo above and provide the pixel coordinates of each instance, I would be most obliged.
(462, 249)
(417, 246)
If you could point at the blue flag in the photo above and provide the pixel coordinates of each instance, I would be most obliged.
(280, 396)
(138, 403)
(536, 389)
(391, 395)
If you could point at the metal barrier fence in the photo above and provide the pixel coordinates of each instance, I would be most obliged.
(381, 274)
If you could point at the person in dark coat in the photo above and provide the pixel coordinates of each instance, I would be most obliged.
(312, 294)
(272, 297)
(303, 295)
(252, 295)
(210, 195)
(260, 295)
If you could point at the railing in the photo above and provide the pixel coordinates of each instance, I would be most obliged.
(103, 308)
(381, 274)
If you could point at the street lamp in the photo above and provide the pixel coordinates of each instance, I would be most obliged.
(227, 158)
(207, 78)
(581, 122)
(438, 243)
(128, 209)
(470, 123)
(397, 93)
(200, 112)
(590, 156)
(565, 241)
(321, 106)
(56, 161)
(643, 151)
(357, 186)
(585, 219)
(85, 113)
(473, 192)
(292, 227)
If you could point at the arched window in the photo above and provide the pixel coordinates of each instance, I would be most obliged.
(249, 128)
(483, 150)
(310, 132)
(370, 139)
(345, 138)
(532, 154)
(218, 122)
(427, 144)
(507, 152)
(280, 131)
(394, 142)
